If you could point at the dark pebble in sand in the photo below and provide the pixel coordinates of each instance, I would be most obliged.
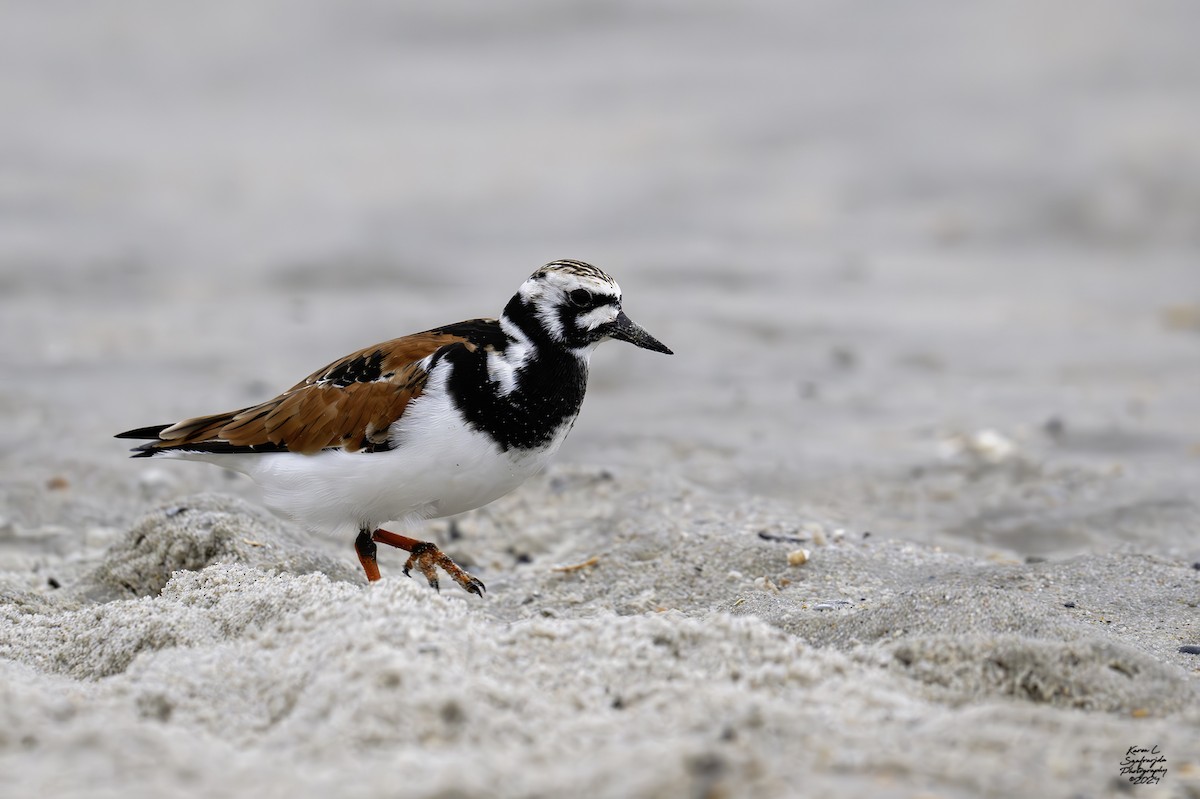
(1196, 565)
(1054, 427)
(787, 539)
(1068, 604)
(1190, 650)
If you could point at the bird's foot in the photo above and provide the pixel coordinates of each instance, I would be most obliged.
(428, 559)
(425, 557)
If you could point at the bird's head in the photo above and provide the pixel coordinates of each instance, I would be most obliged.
(577, 305)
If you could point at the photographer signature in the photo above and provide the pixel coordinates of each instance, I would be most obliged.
(1144, 766)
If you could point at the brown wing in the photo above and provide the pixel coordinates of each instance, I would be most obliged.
(349, 404)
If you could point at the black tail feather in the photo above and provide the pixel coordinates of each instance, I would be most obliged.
(144, 432)
(145, 450)
(154, 445)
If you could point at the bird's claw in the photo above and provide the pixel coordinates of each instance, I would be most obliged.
(428, 559)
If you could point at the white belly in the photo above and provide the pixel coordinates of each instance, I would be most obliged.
(439, 466)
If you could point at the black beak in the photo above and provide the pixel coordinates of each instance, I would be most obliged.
(626, 329)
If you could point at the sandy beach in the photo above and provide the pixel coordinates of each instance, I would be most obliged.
(913, 511)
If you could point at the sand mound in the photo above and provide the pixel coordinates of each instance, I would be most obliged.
(639, 674)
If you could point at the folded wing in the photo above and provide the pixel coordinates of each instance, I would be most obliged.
(349, 404)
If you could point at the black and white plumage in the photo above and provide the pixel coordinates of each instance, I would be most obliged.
(424, 426)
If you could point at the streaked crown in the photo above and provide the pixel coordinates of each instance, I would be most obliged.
(578, 269)
(572, 300)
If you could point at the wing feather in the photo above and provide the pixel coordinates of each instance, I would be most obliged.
(351, 403)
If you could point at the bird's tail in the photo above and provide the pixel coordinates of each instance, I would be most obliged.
(151, 432)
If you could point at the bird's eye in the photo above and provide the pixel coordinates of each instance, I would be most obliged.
(581, 298)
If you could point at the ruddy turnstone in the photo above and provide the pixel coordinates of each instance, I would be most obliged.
(423, 426)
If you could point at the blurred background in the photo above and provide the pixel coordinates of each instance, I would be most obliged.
(929, 268)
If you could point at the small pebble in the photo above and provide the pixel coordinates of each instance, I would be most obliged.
(1054, 427)
(843, 357)
(798, 557)
(766, 584)
(1181, 317)
(779, 538)
(58, 483)
(1068, 604)
(986, 446)
(1196, 565)
(1190, 649)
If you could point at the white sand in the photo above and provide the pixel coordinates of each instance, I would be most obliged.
(869, 236)
(670, 667)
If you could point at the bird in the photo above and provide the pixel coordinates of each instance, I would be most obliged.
(424, 426)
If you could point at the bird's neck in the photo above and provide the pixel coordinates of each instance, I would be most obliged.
(534, 334)
(524, 394)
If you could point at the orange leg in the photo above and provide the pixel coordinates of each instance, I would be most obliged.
(366, 548)
(423, 555)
